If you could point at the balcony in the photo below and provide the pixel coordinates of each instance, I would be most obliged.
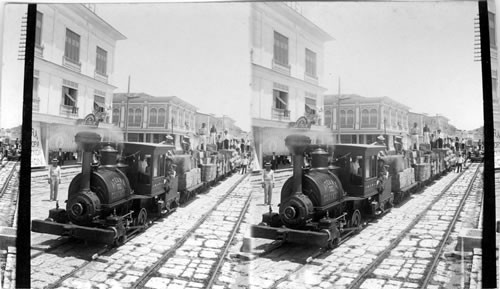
(311, 78)
(280, 114)
(134, 124)
(68, 111)
(156, 125)
(100, 77)
(281, 68)
(36, 105)
(71, 64)
(38, 50)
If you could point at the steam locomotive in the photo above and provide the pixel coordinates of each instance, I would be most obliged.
(116, 197)
(326, 200)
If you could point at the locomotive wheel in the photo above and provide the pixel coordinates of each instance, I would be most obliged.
(120, 240)
(334, 243)
(356, 221)
(142, 218)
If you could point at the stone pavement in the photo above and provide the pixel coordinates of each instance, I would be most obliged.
(337, 269)
(122, 267)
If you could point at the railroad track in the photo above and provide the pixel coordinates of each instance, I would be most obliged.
(153, 271)
(369, 271)
(86, 259)
(320, 258)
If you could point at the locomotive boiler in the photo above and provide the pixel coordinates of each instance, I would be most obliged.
(323, 201)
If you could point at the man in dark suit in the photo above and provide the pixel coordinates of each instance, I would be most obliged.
(60, 157)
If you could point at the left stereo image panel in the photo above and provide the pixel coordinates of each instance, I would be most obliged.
(14, 55)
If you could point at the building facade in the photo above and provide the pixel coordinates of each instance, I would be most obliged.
(73, 74)
(151, 119)
(357, 119)
(287, 75)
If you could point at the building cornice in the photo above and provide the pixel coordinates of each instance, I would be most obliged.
(264, 69)
(295, 18)
(96, 20)
(74, 73)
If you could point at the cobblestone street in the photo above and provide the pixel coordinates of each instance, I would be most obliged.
(183, 250)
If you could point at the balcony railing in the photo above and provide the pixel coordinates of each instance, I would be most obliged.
(280, 114)
(156, 125)
(39, 50)
(134, 124)
(282, 68)
(101, 77)
(68, 110)
(71, 64)
(36, 105)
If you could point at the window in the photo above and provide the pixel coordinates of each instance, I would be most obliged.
(72, 48)
(491, 21)
(137, 116)
(350, 118)
(38, 33)
(99, 103)
(69, 96)
(373, 117)
(310, 63)
(310, 106)
(280, 49)
(343, 119)
(130, 116)
(101, 60)
(153, 117)
(35, 87)
(365, 118)
(116, 116)
(161, 116)
(280, 99)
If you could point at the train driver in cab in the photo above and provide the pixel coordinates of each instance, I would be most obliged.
(381, 142)
(356, 171)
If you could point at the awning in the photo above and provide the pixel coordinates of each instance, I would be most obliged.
(281, 100)
(100, 104)
(70, 97)
(310, 108)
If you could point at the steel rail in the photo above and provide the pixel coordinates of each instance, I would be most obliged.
(451, 226)
(371, 268)
(220, 259)
(378, 260)
(139, 283)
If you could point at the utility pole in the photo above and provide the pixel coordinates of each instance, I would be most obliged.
(338, 114)
(126, 110)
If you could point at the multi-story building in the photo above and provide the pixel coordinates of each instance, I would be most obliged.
(287, 75)
(357, 119)
(151, 119)
(73, 69)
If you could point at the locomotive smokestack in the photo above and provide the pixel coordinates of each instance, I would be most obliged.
(87, 142)
(297, 144)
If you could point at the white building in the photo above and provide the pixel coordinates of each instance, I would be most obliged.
(73, 74)
(287, 75)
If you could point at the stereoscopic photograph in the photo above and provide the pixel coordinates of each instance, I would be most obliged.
(249, 144)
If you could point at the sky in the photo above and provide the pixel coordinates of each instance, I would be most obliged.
(197, 52)
(419, 54)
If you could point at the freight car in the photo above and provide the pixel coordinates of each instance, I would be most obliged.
(118, 195)
(330, 198)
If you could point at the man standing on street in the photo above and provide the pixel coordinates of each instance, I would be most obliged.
(54, 179)
(268, 183)
(60, 157)
(460, 161)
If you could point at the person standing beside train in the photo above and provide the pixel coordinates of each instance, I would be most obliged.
(460, 161)
(268, 183)
(54, 179)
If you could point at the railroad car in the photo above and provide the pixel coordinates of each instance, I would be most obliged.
(118, 193)
(326, 198)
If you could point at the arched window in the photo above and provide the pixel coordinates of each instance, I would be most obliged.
(161, 117)
(343, 119)
(373, 118)
(350, 118)
(365, 118)
(153, 116)
(138, 116)
(393, 118)
(174, 117)
(116, 116)
(130, 116)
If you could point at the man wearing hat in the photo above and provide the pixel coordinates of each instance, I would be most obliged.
(54, 179)
(380, 142)
(268, 183)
